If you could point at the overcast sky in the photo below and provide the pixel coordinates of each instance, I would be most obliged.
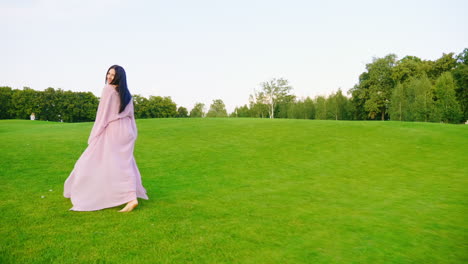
(198, 51)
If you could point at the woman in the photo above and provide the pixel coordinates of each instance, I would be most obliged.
(106, 174)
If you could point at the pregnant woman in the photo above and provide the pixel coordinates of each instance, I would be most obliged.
(106, 174)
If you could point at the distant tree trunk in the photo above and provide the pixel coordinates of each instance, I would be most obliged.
(272, 111)
(336, 111)
(425, 107)
(400, 110)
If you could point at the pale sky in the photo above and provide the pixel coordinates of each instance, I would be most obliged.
(202, 50)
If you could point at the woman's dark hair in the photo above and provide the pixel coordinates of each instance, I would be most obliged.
(120, 79)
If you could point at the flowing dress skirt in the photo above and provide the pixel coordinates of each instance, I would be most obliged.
(106, 174)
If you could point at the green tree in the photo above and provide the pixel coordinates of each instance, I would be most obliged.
(273, 92)
(5, 102)
(359, 96)
(258, 105)
(182, 112)
(85, 106)
(321, 107)
(217, 109)
(24, 102)
(460, 74)
(445, 63)
(309, 108)
(447, 106)
(161, 107)
(380, 85)
(141, 106)
(198, 110)
(338, 106)
(398, 103)
(284, 106)
(69, 105)
(407, 67)
(242, 111)
(49, 105)
(421, 99)
(302, 109)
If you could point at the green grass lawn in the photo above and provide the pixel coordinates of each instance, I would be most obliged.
(245, 191)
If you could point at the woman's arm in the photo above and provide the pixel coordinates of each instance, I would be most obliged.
(107, 111)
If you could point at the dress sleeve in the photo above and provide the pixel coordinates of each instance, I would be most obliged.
(132, 115)
(108, 111)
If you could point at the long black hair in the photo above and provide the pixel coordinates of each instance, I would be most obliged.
(120, 79)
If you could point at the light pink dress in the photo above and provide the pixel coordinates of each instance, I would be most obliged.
(106, 174)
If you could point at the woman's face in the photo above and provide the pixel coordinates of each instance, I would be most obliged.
(110, 75)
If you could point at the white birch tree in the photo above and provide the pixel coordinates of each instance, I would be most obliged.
(273, 91)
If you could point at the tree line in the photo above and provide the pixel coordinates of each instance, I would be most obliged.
(412, 89)
(50, 104)
(409, 89)
(274, 101)
(67, 106)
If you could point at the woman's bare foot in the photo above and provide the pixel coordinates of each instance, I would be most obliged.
(130, 206)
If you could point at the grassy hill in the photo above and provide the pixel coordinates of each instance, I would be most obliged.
(245, 191)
